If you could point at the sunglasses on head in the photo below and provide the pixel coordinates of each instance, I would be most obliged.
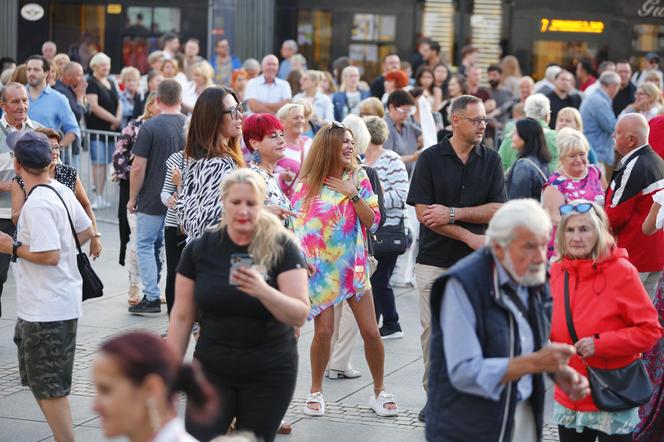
(336, 124)
(566, 209)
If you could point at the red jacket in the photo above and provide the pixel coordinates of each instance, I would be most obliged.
(627, 204)
(609, 302)
(656, 137)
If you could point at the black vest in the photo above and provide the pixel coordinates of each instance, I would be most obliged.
(456, 416)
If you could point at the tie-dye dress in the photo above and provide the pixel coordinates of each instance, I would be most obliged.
(334, 242)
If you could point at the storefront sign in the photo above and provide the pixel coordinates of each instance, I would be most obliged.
(579, 26)
(114, 8)
(652, 9)
(32, 11)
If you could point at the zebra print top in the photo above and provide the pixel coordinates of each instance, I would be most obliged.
(199, 206)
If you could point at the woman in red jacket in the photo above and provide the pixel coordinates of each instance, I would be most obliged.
(612, 314)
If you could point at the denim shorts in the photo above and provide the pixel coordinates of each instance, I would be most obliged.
(46, 356)
(101, 152)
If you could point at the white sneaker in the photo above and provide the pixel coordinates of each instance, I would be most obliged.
(95, 203)
(103, 204)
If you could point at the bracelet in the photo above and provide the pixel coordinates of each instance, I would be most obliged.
(452, 215)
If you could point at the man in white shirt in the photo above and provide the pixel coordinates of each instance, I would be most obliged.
(14, 103)
(267, 93)
(49, 287)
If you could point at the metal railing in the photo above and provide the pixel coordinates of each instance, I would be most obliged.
(105, 202)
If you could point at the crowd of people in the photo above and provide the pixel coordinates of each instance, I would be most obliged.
(282, 194)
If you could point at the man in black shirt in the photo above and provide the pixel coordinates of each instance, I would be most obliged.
(456, 188)
(561, 97)
(73, 86)
(391, 62)
(627, 90)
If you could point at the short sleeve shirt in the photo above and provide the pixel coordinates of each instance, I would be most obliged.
(404, 141)
(232, 321)
(274, 92)
(440, 177)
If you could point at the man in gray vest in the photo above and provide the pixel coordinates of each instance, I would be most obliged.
(490, 328)
(14, 104)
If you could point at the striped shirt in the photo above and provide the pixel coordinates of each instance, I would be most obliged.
(394, 178)
(176, 160)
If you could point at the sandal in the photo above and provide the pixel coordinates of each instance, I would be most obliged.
(315, 398)
(377, 404)
(285, 428)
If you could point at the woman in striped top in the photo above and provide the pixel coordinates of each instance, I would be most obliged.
(394, 178)
(175, 240)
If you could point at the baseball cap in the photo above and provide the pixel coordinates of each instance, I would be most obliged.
(31, 149)
(652, 56)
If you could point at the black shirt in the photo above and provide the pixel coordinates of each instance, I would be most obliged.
(67, 91)
(106, 98)
(557, 103)
(377, 88)
(440, 177)
(238, 333)
(624, 98)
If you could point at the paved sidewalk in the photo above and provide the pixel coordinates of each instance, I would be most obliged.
(348, 417)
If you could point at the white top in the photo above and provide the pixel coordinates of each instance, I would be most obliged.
(173, 432)
(274, 92)
(49, 293)
(659, 199)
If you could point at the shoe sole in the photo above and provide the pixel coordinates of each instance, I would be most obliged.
(397, 335)
(337, 375)
(156, 312)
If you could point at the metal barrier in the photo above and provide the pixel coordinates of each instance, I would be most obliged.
(105, 202)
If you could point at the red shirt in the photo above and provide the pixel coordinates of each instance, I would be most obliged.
(608, 302)
(656, 138)
(587, 83)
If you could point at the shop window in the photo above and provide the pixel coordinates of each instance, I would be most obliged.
(563, 53)
(373, 36)
(141, 35)
(314, 36)
(78, 30)
(646, 38)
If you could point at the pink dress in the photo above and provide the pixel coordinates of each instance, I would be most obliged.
(292, 161)
(587, 188)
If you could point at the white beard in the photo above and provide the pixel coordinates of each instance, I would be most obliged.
(535, 274)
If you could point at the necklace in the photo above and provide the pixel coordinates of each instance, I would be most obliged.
(571, 177)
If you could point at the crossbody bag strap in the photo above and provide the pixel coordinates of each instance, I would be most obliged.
(4, 130)
(71, 223)
(568, 311)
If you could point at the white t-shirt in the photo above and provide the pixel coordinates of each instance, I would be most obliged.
(49, 293)
(273, 92)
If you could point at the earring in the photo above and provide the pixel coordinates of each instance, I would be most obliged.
(256, 156)
(153, 414)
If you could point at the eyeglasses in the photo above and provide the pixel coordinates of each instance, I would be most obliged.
(403, 111)
(56, 148)
(476, 121)
(235, 111)
(566, 209)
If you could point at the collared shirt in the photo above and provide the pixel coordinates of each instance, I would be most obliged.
(78, 109)
(599, 122)
(51, 109)
(469, 371)
(626, 158)
(403, 141)
(7, 172)
(440, 177)
(259, 89)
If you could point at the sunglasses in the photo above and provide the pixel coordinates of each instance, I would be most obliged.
(336, 124)
(566, 209)
(235, 111)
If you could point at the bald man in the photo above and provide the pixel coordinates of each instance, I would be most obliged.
(629, 197)
(73, 85)
(267, 93)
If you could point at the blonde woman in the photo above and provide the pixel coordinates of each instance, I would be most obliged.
(130, 77)
(171, 69)
(337, 208)
(347, 100)
(648, 101)
(246, 282)
(571, 117)
(323, 111)
(372, 107)
(57, 67)
(511, 74)
(287, 169)
(201, 78)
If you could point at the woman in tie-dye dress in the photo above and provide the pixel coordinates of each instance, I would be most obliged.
(336, 207)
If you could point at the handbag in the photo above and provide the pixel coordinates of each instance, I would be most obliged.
(615, 389)
(392, 240)
(92, 285)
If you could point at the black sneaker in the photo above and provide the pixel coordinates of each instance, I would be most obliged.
(146, 306)
(422, 416)
(391, 332)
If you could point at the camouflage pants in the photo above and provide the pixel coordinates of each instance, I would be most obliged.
(46, 356)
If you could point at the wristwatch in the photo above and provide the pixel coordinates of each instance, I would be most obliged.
(452, 215)
(355, 199)
(15, 247)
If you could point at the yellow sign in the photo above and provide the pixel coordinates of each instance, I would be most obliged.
(114, 8)
(580, 26)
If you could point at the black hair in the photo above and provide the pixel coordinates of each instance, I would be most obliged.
(494, 68)
(400, 98)
(46, 66)
(4, 61)
(169, 36)
(586, 66)
(534, 143)
(421, 71)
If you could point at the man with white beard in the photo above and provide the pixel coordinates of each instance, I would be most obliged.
(490, 327)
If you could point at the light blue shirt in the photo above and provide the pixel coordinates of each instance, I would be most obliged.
(51, 109)
(469, 371)
(323, 107)
(599, 122)
(284, 69)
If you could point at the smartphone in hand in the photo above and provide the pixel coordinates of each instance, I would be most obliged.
(239, 260)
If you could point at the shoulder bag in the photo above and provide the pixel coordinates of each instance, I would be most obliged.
(92, 285)
(617, 389)
(392, 240)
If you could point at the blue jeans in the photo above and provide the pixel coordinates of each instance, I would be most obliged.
(149, 239)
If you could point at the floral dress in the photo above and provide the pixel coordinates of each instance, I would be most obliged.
(334, 242)
(587, 188)
(274, 195)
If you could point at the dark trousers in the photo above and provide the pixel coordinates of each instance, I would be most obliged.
(258, 403)
(8, 227)
(589, 435)
(382, 290)
(175, 242)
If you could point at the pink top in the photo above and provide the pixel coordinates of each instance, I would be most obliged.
(292, 161)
